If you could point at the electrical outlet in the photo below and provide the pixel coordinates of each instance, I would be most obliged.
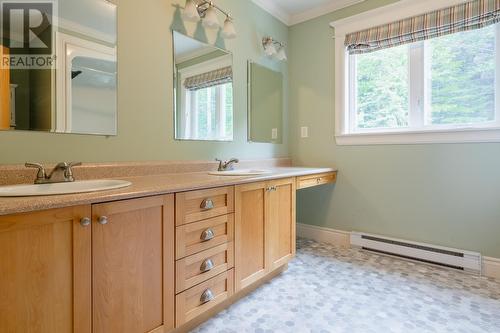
(304, 132)
(274, 134)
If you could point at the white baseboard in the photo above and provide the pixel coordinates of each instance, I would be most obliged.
(324, 235)
(491, 266)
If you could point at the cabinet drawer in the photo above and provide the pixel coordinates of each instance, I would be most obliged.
(315, 180)
(197, 300)
(196, 237)
(200, 205)
(202, 266)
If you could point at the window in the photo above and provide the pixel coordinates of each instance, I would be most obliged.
(204, 96)
(210, 112)
(421, 79)
(442, 83)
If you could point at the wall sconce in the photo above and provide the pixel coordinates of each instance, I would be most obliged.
(196, 10)
(273, 48)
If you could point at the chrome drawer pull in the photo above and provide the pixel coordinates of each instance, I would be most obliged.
(207, 296)
(207, 204)
(207, 235)
(207, 265)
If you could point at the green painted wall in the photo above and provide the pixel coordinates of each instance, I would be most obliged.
(442, 194)
(145, 92)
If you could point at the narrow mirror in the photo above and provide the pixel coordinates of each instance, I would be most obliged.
(203, 90)
(265, 104)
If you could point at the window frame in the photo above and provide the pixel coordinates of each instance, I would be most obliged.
(345, 97)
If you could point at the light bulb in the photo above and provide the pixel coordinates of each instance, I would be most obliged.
(191, 12)
(211, 21)
(282, 54)
(229, 30)
(270, 49)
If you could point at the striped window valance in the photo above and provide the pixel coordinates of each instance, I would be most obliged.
(209, 79)
(467, 16)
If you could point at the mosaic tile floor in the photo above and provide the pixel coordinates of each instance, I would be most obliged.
(327, 289)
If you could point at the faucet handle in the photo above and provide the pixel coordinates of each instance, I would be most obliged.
(74, 164)
(220, 164)
(68, 173)
(41, 174)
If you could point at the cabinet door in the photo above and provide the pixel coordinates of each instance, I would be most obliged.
(250, 233)
(133, 265)
(280, 216)
(45, 272)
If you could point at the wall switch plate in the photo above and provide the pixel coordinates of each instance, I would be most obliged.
(274, 134)
(304, 132)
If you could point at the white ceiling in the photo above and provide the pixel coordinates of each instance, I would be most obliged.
(186, 48)
(292, 12)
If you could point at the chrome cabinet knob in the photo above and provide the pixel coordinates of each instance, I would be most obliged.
(207, 204)
(207, 296)
(207, 265)
(85, 221)
(103, 220)
(207, 235)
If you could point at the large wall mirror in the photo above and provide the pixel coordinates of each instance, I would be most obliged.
(265, 104)
(61, 71)
(203, 90)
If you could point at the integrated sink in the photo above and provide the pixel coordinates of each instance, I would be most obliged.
(240, 172)
(84, 186)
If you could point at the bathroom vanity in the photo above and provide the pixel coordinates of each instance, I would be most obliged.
(163, 255)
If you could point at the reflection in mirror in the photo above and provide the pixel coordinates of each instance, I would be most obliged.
(265, 104)
(93, 102)
(203, 91)
(70, 86)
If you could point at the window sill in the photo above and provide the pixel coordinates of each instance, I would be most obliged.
(420, 137)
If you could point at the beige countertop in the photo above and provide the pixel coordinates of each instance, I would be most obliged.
(143, 186)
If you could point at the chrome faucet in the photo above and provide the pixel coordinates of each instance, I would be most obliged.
(227, 165)
(62, 173)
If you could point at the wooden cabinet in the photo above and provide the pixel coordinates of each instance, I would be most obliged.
(264, 229)
(144, 265)
(249, 234)
(105, 268)
(45, 271)
(202, 266)
(195, 301)
(316, 180)
(203, 204)
(204, 251)
(280, 208)
(133, 262)
(199, 236)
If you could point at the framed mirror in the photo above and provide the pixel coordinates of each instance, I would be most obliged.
(70, 83)
(265, 104)
(203, 90)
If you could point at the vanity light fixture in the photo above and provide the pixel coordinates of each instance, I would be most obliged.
(205, 10)
(273, 48)
(229, 31)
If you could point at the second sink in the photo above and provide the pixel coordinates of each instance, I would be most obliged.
(241, 172)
